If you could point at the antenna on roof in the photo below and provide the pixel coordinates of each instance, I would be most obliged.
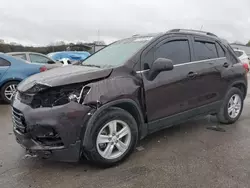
(201, 27)
(98, 35)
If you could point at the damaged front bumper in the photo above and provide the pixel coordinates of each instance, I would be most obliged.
(53, 133)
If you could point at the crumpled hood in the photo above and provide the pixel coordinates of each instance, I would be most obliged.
(64, 76)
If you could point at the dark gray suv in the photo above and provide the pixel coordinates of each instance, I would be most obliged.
(122, 93)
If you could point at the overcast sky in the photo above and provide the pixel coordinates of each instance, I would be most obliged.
(40, 22)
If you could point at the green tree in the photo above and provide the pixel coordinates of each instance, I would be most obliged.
(248, 44)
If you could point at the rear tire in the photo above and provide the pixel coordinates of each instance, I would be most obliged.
(232, 106)
(120, 141)
(8, 90)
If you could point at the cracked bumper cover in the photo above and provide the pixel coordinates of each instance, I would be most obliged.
(68, 121)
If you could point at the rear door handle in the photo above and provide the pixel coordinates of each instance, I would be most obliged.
(226, 65)
(192, 74)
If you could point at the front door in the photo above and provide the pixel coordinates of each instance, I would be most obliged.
(168, 93)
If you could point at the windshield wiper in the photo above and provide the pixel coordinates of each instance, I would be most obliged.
(89, 65)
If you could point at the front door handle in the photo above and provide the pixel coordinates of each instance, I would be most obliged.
(192, 74)
(226, 65)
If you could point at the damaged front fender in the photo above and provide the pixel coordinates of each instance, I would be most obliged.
(114, 92)
(108, 90)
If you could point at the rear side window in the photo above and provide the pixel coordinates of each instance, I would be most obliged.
(205, 50)
(21, 56)
(178, 51)
(4, 63)
(34, 58)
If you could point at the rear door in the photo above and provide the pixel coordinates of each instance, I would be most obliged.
(210, 61)
(4, 66)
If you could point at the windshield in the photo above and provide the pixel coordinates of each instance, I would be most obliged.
(117, 53)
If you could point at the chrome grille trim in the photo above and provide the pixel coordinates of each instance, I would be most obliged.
(18, 120)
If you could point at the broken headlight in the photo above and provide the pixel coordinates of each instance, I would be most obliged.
(57, 96)
(79, 98)
(38, 87)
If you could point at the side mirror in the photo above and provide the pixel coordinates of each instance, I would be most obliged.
(50, 62)
(159, 65)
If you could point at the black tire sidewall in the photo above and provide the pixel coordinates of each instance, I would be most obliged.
(4, 87)
(105, 117)
(230, 93)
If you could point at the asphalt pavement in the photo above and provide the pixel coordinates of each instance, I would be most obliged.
(187, 155)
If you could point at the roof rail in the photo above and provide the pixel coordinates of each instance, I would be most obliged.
(135, 35)
(193, 31)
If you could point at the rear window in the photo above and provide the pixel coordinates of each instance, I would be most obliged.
(4, 63)
(205, 50)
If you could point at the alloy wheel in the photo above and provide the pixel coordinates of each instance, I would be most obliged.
(114, 139)
(10, 91)
(234, 106)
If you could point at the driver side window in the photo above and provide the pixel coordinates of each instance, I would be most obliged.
(178, 51)
(34, 58)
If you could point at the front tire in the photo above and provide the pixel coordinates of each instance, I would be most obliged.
(232, 106)
(8, 90)
(114, 137)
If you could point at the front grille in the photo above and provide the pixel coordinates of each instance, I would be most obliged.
(18, 120)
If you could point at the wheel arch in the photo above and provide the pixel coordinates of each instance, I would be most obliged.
(9, 80)
(241, 86)
(131, 107)
(126, 104)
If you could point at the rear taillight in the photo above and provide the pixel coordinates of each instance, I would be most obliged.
(245, 65)
(43, 68)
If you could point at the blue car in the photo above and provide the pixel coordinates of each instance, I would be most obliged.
(12, 72)
(71, 55)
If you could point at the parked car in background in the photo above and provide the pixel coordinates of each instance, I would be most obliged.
(12, 72)
(71, 56)
(243, 47)
(66, 61)
(129, 89)
(241, 54)
(37, 58)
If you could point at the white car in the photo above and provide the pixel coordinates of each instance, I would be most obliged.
(65, 61)
(242, 56)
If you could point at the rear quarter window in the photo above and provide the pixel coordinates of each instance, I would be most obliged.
(238, 54)
(220, 50)
(4, 62)
(231, 55)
